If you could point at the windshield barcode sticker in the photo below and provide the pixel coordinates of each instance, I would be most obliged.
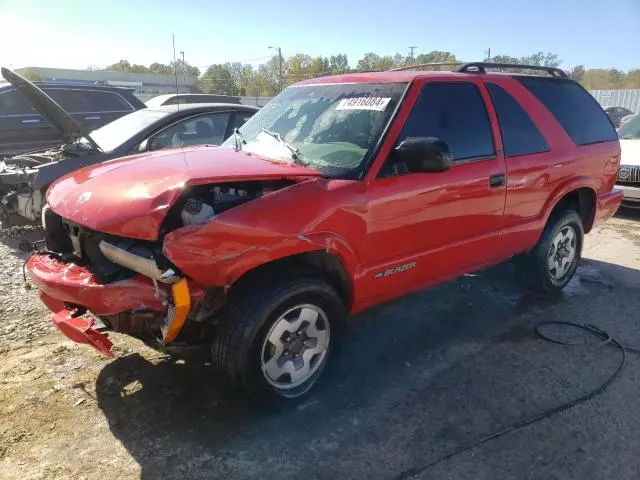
(364, 103)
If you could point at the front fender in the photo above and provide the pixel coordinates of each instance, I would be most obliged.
(223, 256)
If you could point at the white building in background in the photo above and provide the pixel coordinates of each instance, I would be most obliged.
(145, 85)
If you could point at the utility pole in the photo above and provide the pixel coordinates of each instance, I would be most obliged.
(184, 70)
(488, 53)
(279, 66)
(411, 49)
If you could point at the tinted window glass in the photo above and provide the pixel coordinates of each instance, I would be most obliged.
(572, 106)
(240, 118)
(86, 101)
(13, 103)
(455, 113)
(205, 129)
(520, 136)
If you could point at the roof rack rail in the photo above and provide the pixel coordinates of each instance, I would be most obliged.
(480, 67)
(420, 65)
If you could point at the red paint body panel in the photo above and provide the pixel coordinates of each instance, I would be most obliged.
(80, 330)
(74, 284)
(448, 223)
(131, 196)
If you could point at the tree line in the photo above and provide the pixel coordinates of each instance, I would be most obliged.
(235, 78)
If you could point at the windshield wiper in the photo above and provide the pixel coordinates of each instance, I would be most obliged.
(295, 153)
(628, 137)
(238, 139)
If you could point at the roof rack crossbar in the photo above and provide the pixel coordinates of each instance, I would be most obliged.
(420, 65)
(480, 67)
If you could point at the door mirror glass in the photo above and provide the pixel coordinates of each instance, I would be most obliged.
(424, 154)
(144, 145)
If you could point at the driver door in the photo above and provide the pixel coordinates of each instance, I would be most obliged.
(427, 227)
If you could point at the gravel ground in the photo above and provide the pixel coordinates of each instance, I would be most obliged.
(416, 379)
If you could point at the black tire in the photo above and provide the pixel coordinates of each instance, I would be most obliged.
(533, 267)
(253, 309)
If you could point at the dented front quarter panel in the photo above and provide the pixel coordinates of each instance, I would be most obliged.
(298, 219)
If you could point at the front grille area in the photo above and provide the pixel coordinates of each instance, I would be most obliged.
(78, 244)
(629, 175)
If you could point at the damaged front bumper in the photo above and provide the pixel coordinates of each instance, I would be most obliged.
(69, 289)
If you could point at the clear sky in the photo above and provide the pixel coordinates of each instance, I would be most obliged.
(76, 34)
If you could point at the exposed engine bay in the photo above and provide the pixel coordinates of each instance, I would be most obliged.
(111, 258)
(23, 181)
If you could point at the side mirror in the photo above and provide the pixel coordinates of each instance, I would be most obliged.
(424, 154)
(144, 145)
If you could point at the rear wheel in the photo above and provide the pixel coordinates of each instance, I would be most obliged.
(554, 260)
(277, 339)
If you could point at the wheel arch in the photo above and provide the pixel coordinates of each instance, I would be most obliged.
(579, 195)
(321, 263)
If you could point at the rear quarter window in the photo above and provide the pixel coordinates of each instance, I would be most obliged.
(520, 136)
(573, 107)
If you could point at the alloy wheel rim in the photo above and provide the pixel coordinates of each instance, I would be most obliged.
(562, 253)
(295, 347)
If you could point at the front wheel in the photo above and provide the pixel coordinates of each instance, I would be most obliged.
(554, 260)
(277, 339)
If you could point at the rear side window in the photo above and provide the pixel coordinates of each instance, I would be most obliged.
(455, 113)
(572, 106)
(520, 136)
(88, 101)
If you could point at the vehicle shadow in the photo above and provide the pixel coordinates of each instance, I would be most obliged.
(628, 213)
(403, 363)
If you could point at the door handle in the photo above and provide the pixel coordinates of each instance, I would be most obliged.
(496, 181)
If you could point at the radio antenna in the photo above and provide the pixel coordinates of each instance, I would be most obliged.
(175, 69)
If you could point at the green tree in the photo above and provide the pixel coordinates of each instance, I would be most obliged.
(135, 68)
(596, 79)
(435, 56)
(400, 60)
(338, 63)
(383, 64)
(183, 68)
(121, 66)
(542, 59)
(504, 59)
(217, 79)
(632, 79)
(160, 69)
(616, 78)
(368, 62)
(577, 73)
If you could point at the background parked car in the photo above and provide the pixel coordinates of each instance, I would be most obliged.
(182, 98)
(628, 118)
(22, 128)
(25, 177)
(616, 114)
(629, 173)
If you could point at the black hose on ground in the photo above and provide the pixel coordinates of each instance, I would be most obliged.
(603, 336)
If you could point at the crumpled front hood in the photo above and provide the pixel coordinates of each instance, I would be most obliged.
(131, 196)
(630, 151)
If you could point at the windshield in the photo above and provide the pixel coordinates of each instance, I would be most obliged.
(630, 129)
(114, 134)
(329, 128)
